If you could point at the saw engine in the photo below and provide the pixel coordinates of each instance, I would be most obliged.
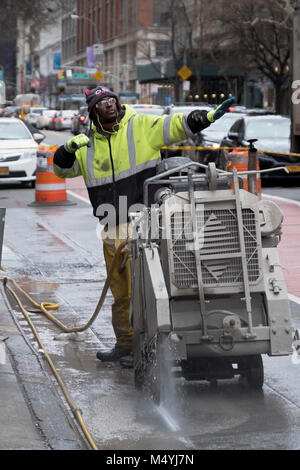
(208, 292)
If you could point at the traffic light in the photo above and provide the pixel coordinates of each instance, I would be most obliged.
(61, 75)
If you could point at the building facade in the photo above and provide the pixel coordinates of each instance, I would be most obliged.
(128, 33)
(134, 47)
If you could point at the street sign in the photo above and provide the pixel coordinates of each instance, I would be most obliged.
(98, 75)
(98, 49)
(80, 75)
(184, 72)
(186, 85)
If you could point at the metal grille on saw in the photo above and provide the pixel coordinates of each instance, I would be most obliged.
(217, 235)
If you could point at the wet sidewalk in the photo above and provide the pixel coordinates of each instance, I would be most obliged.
(32, 416)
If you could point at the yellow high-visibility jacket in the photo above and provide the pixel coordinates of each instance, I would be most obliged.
(117, 164)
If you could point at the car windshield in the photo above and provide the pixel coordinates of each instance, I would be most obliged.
(13, 131)
(37, 111)
(68, 113)
(49, 112)
(223, 124)
(268, 129)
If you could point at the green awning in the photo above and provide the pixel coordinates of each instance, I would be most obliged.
(152, 72)
(148, 72)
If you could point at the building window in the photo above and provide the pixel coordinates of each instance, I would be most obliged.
(161, 15)
(124, 16)
(163, 48)
(123, 55)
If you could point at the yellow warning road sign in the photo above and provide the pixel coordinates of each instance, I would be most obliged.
(98, 75)
(184, 72)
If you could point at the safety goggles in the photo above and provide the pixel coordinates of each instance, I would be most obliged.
(106, 101)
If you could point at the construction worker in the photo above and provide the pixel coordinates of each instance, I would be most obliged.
(120, 153)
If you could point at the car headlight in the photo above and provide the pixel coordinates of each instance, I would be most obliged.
(30, 154)
(212, 145)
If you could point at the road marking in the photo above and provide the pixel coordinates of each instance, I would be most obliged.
(283, 199)
(2, 353)
(294, 298)
(291, 297)
(82, 198)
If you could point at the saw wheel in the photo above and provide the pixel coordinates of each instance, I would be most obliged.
(152, 373)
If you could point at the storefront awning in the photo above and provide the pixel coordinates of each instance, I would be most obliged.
(153, 71)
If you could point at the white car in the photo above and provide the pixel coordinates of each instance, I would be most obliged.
(148, 109)
(33, 115)
(64, 119)
(43, 119)
(18, 152)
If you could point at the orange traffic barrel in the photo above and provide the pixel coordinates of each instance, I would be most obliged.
(239, 159)
(49, 188)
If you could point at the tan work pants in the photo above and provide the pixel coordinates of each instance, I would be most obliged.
(120, 285)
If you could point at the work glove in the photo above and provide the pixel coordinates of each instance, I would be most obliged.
(77, 142)
(197, 120)
(215, 114)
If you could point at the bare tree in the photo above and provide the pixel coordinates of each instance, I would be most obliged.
(259, 33)
(188, 20)
(34, 11)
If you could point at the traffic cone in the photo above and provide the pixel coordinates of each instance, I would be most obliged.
(239, 159)
(50, 190)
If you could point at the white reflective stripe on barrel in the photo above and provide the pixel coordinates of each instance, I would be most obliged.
(50, 187)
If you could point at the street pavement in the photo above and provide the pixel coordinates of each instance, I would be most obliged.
(32, 415)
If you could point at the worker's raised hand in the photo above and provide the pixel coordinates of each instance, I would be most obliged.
(215, 114)
(77, 142)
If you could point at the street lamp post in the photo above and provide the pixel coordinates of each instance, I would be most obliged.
(78, 17)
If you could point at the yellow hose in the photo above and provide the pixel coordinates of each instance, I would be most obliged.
(43, 306)
(47, 305)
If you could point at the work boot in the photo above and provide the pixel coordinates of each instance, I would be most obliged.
(113, 354)
(127, 361)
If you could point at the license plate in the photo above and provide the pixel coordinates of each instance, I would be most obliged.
(4, 170)
(293, 168)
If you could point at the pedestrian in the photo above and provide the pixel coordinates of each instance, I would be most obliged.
(120, 153)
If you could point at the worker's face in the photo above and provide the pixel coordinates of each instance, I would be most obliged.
(107, 108)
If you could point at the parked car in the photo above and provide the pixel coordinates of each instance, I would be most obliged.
(2, 109)
(148, 109)
(64, 119)
(273, 138)
(81, 121)
(33, 114)
(11, 111)
(52, 121)
(18, 151)
(191, 141)
(43, 119)
(186, 107)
